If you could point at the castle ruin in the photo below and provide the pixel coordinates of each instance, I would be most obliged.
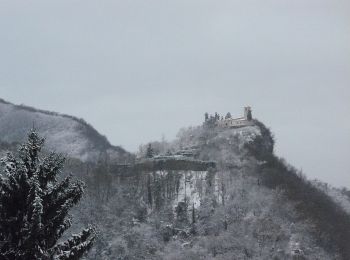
(246, 120)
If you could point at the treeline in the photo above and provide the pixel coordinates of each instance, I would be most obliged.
(331, 222)
(210, 120)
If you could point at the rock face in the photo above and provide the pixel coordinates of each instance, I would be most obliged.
(65, 134)
(185, 179)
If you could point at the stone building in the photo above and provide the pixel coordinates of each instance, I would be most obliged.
(246, 120)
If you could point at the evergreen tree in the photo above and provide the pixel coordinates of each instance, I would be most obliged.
(216, 116)
(206, 117)
(228, 115)
(34, 206)
(249, 115)
(149, 152)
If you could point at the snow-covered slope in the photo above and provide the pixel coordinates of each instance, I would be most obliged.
(247, 204)
(65, 134)
(230, 211)
(340, 195)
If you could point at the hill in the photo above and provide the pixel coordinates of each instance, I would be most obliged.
(249, 205)
(215, 192)
(65, 134)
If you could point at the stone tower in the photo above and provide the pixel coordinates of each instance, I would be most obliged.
(248, 113)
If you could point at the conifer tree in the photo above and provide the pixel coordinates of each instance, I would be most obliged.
(34, 206)
(149, 152)
(206, 117)
(217, 116)
(249, 115)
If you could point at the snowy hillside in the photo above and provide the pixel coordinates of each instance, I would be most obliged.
(250, 206)
(340, 196)
(63, 133)
(212, 193)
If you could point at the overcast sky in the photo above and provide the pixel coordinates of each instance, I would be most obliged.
(138, 69)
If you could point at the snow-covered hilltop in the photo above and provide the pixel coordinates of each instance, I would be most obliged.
(252, 205)
(217, 191)
(65, 134)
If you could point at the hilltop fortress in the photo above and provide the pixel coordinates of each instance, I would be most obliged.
(229, 122)
(237, 122)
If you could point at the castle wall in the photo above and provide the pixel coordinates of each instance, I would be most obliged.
(239, 122)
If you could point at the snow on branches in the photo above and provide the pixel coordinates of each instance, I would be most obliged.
(34, 206)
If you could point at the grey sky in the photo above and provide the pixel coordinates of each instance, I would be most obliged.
(139, 69)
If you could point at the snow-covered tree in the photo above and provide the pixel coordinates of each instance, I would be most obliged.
(149, 152)
(34, 206)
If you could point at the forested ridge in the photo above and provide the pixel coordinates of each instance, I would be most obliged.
(251, 205)
(212, 193)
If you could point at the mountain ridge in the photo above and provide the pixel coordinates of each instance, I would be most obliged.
(64, 133)
(251, 204)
